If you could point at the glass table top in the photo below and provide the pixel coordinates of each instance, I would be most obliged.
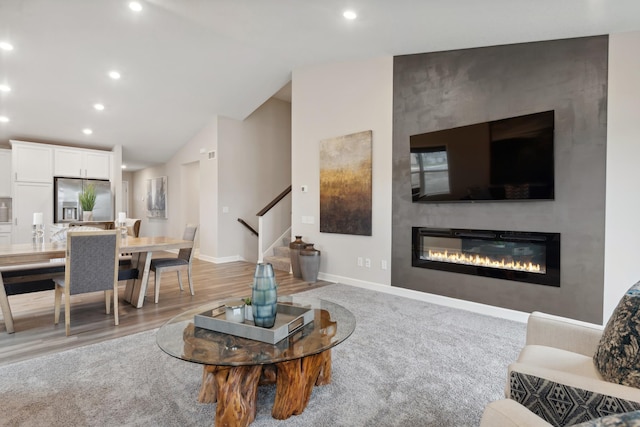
(180, 338)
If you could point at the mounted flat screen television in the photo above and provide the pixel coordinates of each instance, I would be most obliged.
(502, 160)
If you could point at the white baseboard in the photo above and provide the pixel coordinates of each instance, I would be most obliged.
(489, 310)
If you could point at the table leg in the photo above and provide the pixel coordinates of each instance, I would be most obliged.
(6, 309)
(128, 290)
(324, 377)
(208, 389)
(235, 389)
(140, 286)
(294, 384)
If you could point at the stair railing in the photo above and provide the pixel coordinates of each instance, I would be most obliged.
(274, 221)
(251, 229)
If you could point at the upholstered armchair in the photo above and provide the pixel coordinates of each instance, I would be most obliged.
(509, 413)
(571, 372)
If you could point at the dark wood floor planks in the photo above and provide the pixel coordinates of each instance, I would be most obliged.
(36, 334)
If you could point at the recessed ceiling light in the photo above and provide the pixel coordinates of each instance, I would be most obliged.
(5, 88)
(6, 46)
(114, 75)
(123, 166)
(98, 107)
(4, 119)
(135, 6)
(87, 131)
(349, 14)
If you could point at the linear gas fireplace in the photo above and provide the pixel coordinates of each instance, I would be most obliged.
(511, 255)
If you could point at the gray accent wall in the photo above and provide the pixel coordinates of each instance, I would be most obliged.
(441, 90)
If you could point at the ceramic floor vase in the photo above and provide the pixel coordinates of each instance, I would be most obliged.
(294, 254)
(309, 259)
(264, 296)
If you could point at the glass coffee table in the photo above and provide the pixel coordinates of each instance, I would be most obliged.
(235, 366)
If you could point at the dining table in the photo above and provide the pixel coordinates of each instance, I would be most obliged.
(140, 248)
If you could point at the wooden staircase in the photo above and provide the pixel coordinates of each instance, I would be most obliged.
(281, 260)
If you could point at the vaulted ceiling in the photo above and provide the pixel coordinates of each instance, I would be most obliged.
(181, 62)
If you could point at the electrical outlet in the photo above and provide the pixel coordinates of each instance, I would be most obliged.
(367, 262)
(359, 261)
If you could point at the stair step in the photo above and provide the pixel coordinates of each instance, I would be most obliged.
(279, 263)
(281, 251)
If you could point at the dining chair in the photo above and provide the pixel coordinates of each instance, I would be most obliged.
(91, 265)
(181, 263)
(133, 226)
(127, 270)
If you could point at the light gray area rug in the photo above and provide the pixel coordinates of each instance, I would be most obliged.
(408, 363)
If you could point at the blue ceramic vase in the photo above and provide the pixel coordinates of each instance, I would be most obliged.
(264, 296)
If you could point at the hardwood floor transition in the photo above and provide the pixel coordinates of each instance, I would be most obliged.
(36, 335)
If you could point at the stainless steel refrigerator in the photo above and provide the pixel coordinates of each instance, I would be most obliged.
(66, 192)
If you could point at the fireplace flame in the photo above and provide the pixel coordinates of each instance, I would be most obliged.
(483, 261)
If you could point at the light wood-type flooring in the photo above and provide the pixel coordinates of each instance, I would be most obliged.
(36, 334)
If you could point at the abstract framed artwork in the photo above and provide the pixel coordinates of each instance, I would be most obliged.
(345, 184)
(157, 197)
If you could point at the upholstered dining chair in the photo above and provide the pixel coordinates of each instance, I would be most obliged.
(91, 265)
(133, 229)
(181, 263)
(133, 226)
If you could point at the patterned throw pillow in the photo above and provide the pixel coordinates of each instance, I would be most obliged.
(618, 354)
(630, 419)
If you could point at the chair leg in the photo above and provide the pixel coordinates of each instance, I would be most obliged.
(67, 311)
(107, 301)
(190, 281)
(180, 281)
(115, 305)
(56, 307)
(157, 287)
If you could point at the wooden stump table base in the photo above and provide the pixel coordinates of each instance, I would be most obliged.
(294, 384)
(235, 388)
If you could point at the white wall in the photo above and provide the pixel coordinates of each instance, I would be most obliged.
(116, 181)
(191, 190)
(255, 159)
(191, 174)
(333, 100)
(251, 167)
(178, 204)
(128, 177)
(622, 227)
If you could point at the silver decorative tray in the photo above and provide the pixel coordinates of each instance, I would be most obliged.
(289, 319)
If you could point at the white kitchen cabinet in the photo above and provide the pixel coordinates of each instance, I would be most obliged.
(5, 173)
(5, 234)
(5, 239)
(67, 162)
(28, 199)
(32, 162)
(79, 163)
(97, 165)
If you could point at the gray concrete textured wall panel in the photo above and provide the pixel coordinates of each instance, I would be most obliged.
(441, 90)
